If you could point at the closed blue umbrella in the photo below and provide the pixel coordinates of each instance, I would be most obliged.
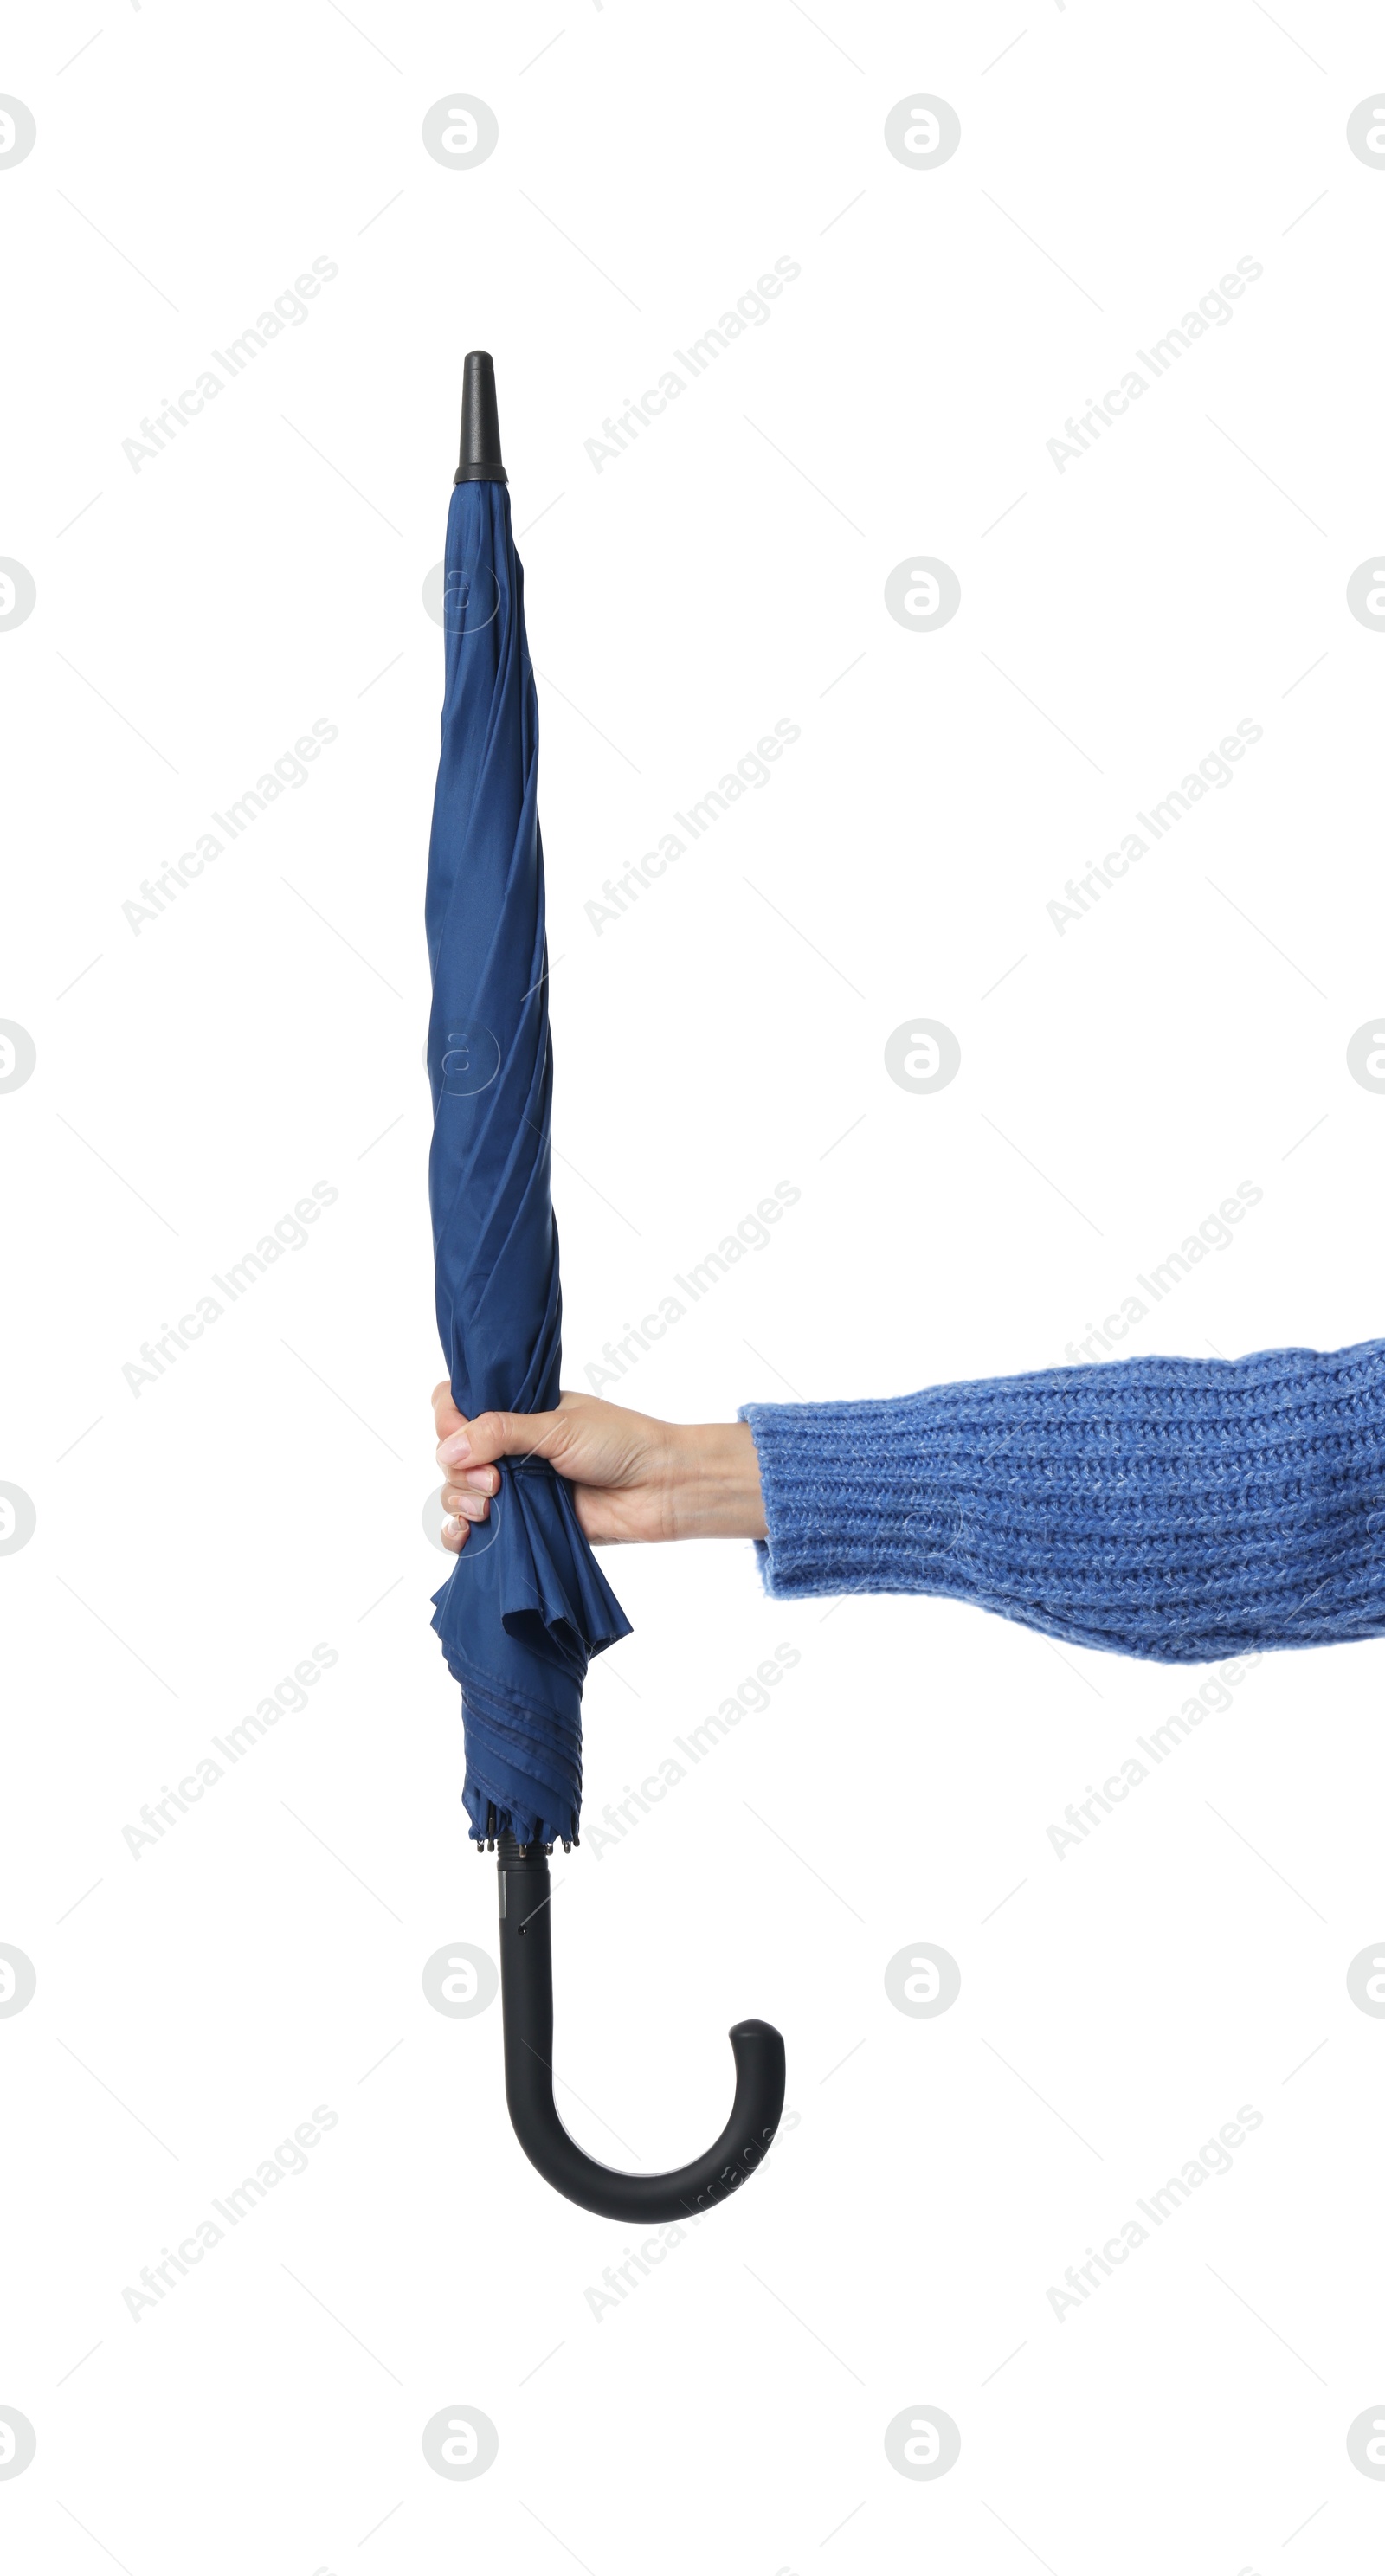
(526, 1605)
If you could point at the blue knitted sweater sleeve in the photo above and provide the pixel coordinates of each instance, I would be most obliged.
(1175, 1509)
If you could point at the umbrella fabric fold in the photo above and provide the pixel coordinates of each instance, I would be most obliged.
(526, 1605)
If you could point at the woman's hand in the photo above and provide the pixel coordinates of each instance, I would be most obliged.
(632, 1477)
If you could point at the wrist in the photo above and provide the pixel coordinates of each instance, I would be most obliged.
(715, 1481)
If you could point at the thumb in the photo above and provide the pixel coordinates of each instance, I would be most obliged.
(503, 1435)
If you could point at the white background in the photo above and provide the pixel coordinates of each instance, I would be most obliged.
(196, 1077)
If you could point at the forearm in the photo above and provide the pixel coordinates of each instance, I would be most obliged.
(1175, 1509)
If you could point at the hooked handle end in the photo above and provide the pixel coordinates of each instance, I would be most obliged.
(526, 1974)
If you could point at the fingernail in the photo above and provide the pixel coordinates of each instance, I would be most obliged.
(453, 1451)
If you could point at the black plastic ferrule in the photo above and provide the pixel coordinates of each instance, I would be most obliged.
(479, 461)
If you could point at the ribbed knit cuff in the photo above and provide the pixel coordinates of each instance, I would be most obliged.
(841, 1485)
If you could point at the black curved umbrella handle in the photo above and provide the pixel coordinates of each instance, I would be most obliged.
(526, 1988)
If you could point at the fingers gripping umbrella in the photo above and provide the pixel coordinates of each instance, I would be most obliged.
(526, 1606)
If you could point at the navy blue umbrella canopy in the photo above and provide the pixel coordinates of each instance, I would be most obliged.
(526, 1606)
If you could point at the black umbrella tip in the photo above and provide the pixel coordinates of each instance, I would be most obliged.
(479, 461)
